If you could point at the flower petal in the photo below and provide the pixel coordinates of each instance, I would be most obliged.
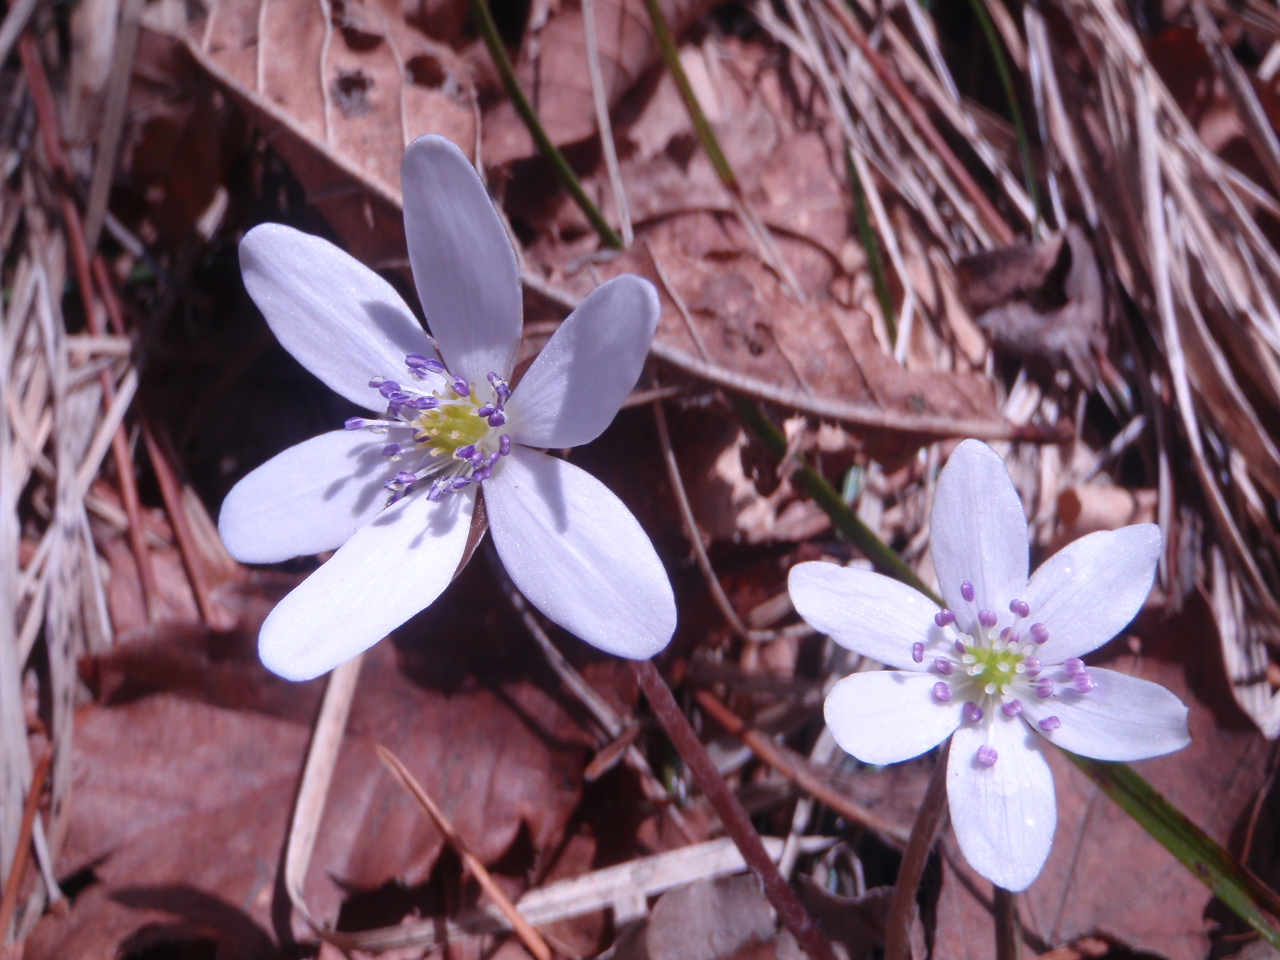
(864, 611)
(1004, 815)
(1122, 718)
(577, 553)
(887, 716)
(309, 498)
(574, 388)
(1089, 590)
(978, 533)
(337, 317)
(390, 569)
(463, 263)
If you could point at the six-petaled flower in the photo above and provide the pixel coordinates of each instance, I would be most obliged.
(998, 669)
(394, 492)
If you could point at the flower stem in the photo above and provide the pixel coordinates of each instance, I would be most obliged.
(1008, 930)
(902, 906)
(489, 30)
(736, 822)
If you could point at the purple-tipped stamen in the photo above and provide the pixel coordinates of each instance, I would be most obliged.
(987, 618)
(1083, 683)
(387, 388)
(972, 712)
(1012, 708)
(1044, 688)
(1049, 724)
(941, 692)
(461, 389)
(987, 756)
(1039, 632)
(944, 617)
(1074, 666)
(961, 648)
(459, 482)
(377, 381)
(497, 418)
(917, 652)
(355, 423)
(1020, 608)
(424, 403)
(504, 445)
(944, 667)
(482, 474)
(1032, 666)
(466, 453)
(391, 450)
(966, 590)
(406, 478)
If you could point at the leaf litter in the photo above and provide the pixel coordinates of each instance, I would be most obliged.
(1151, 276)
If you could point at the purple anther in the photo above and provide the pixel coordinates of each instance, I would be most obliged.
(1011, 636)
(1039, 632)
(482, 474)
(406, 478)
(424, 403)
(1044, 688)
(437, 490)
(399, 399)
(504, 445)
(972, 712)
(944, 617)
(917, 652)
(1083, 683)
(987, 618)
(461, 389)
(941, 692)
(1020, 608)
(391, 450)
(961, 648)
(497, 418)
(1012, 708)
(387, 387)
(485, 410)
(944, 667)
(966, 590)
(459, 482)
(1032, 665)
(418, 363)
(1074, 666)
(987, 756)
(466, 453)
(499, 387)
(1049, 723)
(377, 381)
(354, 423)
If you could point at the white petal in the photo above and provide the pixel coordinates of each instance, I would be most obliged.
(1089, 590)
(864, 611)
(1004, 815)
(579, 380)
(578, 554)
(887, 716)
(388, 571)
(1122, 718)
(463, 263)
(340, 320)
(309, 498)
(978, 533)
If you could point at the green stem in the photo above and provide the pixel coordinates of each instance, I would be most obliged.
(1011, 94)
(871, 245)
(489, 30)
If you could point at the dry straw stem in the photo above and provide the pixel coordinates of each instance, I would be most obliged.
(528, 936)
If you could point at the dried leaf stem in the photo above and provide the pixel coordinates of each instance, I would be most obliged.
(13, 883)
(528, 936)
(737, 824)
(489, 30)
(902, 906)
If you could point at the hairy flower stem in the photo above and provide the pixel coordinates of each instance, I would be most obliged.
(1008, 929)
(902, 906)
(736, 822)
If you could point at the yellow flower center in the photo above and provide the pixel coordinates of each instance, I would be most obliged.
(993, 668)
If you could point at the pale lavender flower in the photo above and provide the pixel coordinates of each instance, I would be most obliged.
(998, 669)
(394, 492)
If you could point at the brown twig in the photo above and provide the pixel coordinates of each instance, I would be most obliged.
(532, 941)
(29, 809)
(737, 824)
(796, 769)
(1008, 929)
(902, 906)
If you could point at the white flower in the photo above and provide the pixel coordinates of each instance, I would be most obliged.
(998, 669)
(394, 493)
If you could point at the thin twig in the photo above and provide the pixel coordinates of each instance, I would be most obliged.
(603, 124)
(737, 824)
(13, 882)
(1008, 929)
(528, 936)
(902, 906)
(691, 528)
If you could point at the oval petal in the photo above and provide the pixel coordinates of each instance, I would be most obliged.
(887, 716)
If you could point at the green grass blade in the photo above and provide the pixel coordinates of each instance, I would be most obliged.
(867, 234)
(489, 30)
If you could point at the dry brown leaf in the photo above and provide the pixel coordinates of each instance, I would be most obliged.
(340, 98)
